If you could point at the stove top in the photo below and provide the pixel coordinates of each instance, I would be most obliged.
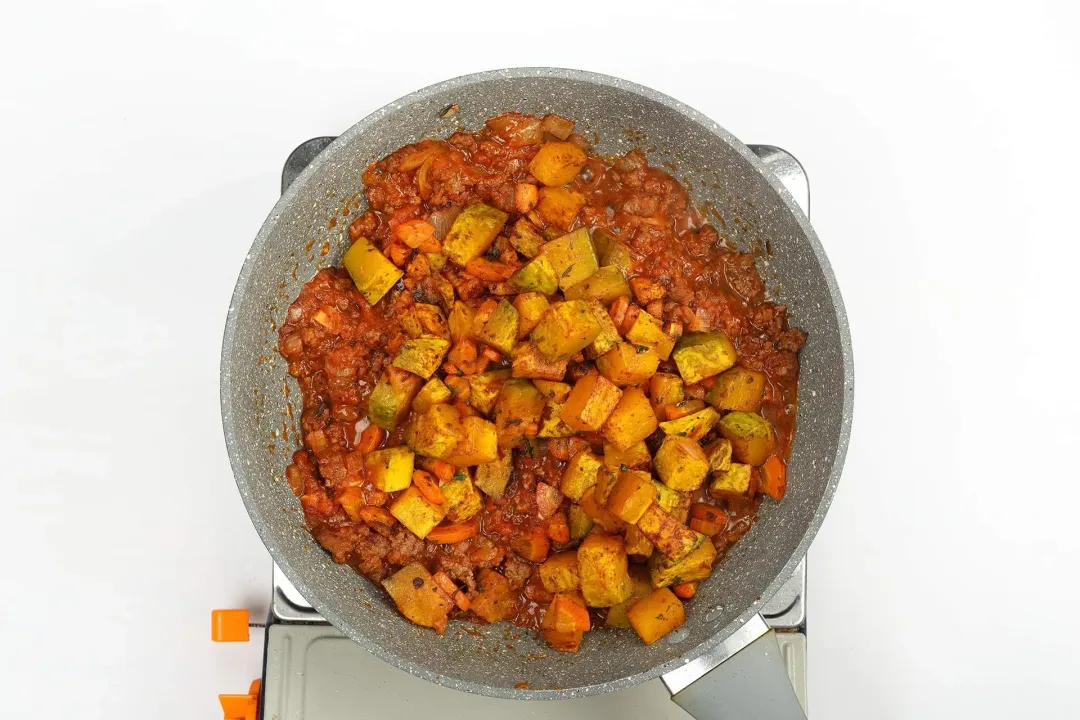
(313, 672)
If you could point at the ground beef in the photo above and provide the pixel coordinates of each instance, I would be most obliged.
(404, 546)
(517, 571)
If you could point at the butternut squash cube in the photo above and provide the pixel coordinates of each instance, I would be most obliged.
(666, 389)
(602, 565)
(558, 207)
(551, 424)
(628, 364)
(631, 421)
(390, 401)
(553, 391)
(525, 238)
(422, 356)
(461, 321)
(433, 393)
(473, 232)
(605, 481)
(670, 536)
(635, 457)
(559, 573)
(531, 306)
(719, 454)
(500, 331)
(733, 483)
(648, 330)
(372, 273)
(612, 251)
(480, 444)
(604, 285)
(655, 616)
(752, 438)
(418, 598)
(462, 501)
(484, 389)
(517, 412)
(616, 614)
(416, 513)
(390, 469)
(424, 319)
(702, 355)
(738, 389)
(529, 362)
(681, 463)
(579, 475)
(599, 514)
(696, 566)
(437, 432)
(493, 477)
(674, 503)
(694, 426)
(572, 256)
(609, 335)
(637, 544)
(565, 329)
(631, 495)
(580, 522)
(538, 275)
(590, 403)
(557, 163)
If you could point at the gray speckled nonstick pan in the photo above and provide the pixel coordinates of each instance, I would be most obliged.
(257, 410)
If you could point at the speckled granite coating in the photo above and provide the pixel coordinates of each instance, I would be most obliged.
(259, 426)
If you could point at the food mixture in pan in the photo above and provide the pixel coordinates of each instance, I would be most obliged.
(542, 388)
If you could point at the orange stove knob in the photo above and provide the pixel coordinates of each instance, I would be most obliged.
(229, 626)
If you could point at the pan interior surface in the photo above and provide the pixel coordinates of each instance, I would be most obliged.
(261, 407)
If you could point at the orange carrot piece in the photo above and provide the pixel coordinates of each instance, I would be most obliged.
(566, 614)
(532, 546)
(395, 343)
(462, 601)
(375, 515)
(491, 354)
(439, 468)
(559, 528)
(685, 590)
(774, 478)
(415, 233)
(455, 532)
(425, 483)
(705, 527)
(370, 439)
(489, 270)
(618, 310)
(445, 583)
(704, 511)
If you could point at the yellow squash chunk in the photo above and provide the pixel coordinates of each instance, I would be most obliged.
(529, 362)
(433, 393)
(417, 596)
(390, 469)
(525, 238)
(480, 444)
(461, 500)
(566, 329)
(473, 232)
(602, 565)
(702, 355)
(673, 502)
(733, 483)
(551, 424)
(590, 403)
(631, 495)
(670, 536)
(752, 438)
(559, 573)
(665, 389)
(424, 319)
(531, 306)
(612, 251)
(537, 275)
(637, 544)
(605, 481)
(557, 163)
(655, 616)
(635, 457)
(681, 463)
(648, 330)
(628, 364)
(484, 389)
(493, 477)
(422, 356)
(554, 391)
(461, 321)
(616, 614)
(372, 273)
(719, 454)
(580, 522)
(696, 566)
(388, 404)
(517, 412)
(694, 426)
(606, 284)
(572, 256)
(631, 421)
(500, 331)
(558, 207)
(437, 432)
(600, 514)
(609, 335)
(738, 389)
(579, 475)
(414, 511)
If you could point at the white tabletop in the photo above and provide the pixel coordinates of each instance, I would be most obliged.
(142, 148)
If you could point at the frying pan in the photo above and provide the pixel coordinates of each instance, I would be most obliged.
(259, 401)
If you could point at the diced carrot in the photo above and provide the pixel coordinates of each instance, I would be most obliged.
(708, 382)
(618, 310)
(399, 253)
(395, 343)
(415, 233)
(532, 545)
(431, 245)
(489, 270)
(462, 601)
(445, 583)
(628, 319)
(454, 532)
(559, 528)
(439, 468)
(425, 483)
(685, 590)
(525, 197)
(370, 439)
(705, 527)
(491, 354)
(774, 478)
(705, 511)
(375, 515)
(559, 448)
(566, 614)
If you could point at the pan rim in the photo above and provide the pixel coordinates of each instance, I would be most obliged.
(832, 287)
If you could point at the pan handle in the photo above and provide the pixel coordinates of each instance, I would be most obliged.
(750, 684)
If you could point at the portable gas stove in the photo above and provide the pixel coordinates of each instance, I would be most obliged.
(313, 672)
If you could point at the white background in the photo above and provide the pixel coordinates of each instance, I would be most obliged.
(142, 147)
